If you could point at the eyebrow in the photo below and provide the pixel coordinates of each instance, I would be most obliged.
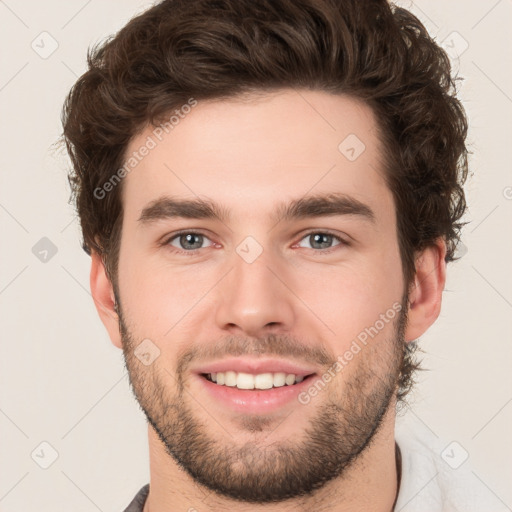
(305, 207)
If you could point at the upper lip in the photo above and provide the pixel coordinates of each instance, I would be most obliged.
(255, 366)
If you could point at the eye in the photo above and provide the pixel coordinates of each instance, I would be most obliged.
(322, 240)
(188, 241)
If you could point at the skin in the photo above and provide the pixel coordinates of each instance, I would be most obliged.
(241, 153)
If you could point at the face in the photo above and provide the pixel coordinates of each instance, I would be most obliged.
(259, 250)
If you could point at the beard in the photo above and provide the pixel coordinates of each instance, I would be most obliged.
(348, 414)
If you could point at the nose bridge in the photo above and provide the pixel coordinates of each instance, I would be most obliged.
(253, 298)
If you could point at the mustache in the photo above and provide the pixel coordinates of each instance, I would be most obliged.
(271, 345)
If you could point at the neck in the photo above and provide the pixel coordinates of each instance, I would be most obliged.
(370, 483)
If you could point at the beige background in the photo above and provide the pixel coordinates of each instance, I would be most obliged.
(61, 380)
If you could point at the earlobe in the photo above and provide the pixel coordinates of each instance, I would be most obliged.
(104, 299)
(425, 293)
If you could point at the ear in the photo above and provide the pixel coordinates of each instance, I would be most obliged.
(425, 293)
(104, 299)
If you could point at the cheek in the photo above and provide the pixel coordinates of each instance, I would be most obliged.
(159, 300)
(353, 298)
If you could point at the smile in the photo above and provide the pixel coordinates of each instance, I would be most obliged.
(246, 381)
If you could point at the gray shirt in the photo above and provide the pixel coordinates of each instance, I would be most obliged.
(137, 503)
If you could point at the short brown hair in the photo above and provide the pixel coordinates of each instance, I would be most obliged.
(215, 49)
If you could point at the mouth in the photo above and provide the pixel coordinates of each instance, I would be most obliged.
(247, 385)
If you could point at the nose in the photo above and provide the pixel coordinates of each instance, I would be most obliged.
(256, 298)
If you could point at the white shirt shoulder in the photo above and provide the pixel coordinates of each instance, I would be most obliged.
(437, 475)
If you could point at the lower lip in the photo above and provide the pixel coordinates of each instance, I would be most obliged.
(253, 401)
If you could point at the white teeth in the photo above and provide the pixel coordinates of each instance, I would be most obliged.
(279, 379)
(260, 381)
(290, 379)
(245, 381)
(230, 379)
(263, 381)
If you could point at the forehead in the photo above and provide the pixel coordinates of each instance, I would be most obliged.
(251, 153)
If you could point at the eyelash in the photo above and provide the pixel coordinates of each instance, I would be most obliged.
(342, 242)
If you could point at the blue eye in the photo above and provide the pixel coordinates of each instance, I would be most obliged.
(322, 240)
(188, 242)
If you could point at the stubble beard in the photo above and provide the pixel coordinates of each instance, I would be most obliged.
(348, 415)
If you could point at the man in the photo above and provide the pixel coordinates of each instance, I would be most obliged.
(270, 191)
